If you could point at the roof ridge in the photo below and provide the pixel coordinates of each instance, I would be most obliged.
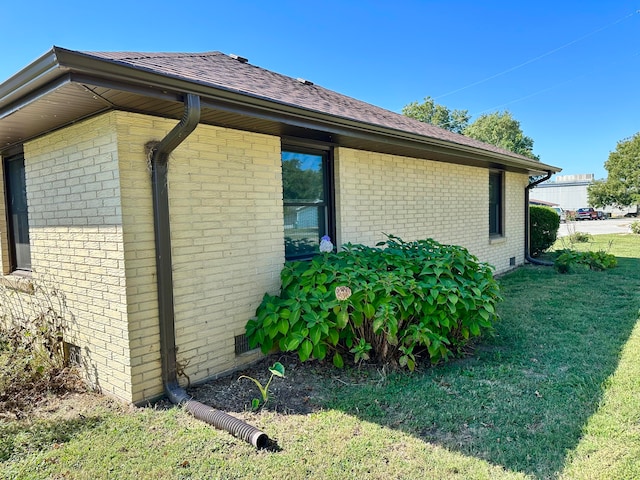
(127, 55)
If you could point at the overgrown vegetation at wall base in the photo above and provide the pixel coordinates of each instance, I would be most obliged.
(545, 223)
(395, 305)
(32, 358)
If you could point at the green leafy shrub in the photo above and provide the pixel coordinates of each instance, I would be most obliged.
(579, 237)
(635, 227)
(545, 223)
(567, 260)
(390, 305)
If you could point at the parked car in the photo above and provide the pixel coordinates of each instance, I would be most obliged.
(586, 214)
(602, 215)
(561, 213)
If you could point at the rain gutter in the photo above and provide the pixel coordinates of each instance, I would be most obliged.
(527, 223)
(257, 106)
(146, 81)
(159, 156)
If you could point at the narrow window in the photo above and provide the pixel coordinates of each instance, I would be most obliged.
(16, 188)
(307, 196)
(496, 204)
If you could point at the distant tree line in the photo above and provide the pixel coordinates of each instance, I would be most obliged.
(498, 128)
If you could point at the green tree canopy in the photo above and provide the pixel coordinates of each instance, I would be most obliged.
(622, 186)
(501, 130)
(439, 115)
(300, 184)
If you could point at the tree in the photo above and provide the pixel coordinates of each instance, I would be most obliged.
(501, 130)
(438, 115)
(301, 184)
(622, 186)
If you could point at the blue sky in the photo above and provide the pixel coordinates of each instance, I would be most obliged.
(568, 71)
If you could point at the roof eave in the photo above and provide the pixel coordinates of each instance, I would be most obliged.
(38, 73)
(59, 61)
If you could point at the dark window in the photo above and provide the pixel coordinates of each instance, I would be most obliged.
(16, 188)
(496, 203)
(307, 193)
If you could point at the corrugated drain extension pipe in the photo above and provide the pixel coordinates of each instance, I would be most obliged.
(159, 155)
(527, 226)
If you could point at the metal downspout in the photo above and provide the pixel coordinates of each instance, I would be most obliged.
(527, 224)
(159, 156)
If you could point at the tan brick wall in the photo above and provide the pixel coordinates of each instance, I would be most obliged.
(225, 190)
(140, 261)
(75, 223)
(90, 208)
(225, 194)
(414, 199)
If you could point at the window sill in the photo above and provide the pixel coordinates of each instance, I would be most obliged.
(497, 239)
(20, 281)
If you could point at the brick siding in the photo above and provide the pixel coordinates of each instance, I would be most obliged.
(90, 212)
(416, 199)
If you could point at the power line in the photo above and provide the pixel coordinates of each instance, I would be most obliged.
(550, 52)
(548, 88)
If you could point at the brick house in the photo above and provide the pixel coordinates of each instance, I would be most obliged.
(153, 189)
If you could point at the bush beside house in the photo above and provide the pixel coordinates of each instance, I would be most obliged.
(545, 223)
(397, 304)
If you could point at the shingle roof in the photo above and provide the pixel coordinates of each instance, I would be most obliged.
(219, 70)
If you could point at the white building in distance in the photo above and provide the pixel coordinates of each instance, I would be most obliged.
(570, 193)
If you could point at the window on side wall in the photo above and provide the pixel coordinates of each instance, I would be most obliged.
(308, 206)
(17, 215)
(496, 204)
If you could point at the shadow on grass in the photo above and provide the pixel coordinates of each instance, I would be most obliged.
(522, 400)
(21, 438)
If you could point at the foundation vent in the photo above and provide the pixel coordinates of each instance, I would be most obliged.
(512, 261)
(72, 354)
(242, 345)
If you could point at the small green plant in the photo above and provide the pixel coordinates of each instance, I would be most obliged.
(635, 227)
(277, 370)
(568, 259)
(361, 351)
(579, 237)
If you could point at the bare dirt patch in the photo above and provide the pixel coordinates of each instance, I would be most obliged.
(305, 388)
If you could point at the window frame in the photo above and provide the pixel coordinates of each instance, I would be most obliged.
(17, 264)
(497, 208)
(328, 184)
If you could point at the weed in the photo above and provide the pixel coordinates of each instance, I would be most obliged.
(32, 357)
(277, 370)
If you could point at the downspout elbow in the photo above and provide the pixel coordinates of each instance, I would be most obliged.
(159, 155)
(527, 223)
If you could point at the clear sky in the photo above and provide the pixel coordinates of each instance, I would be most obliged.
(568, 71)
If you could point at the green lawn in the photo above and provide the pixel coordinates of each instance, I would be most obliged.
(554, 394)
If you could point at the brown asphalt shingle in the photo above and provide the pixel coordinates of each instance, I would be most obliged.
(219, 70)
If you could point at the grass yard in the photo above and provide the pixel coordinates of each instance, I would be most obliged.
(554, 394)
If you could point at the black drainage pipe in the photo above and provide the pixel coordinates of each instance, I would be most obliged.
(159, 157)
(527, 224)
